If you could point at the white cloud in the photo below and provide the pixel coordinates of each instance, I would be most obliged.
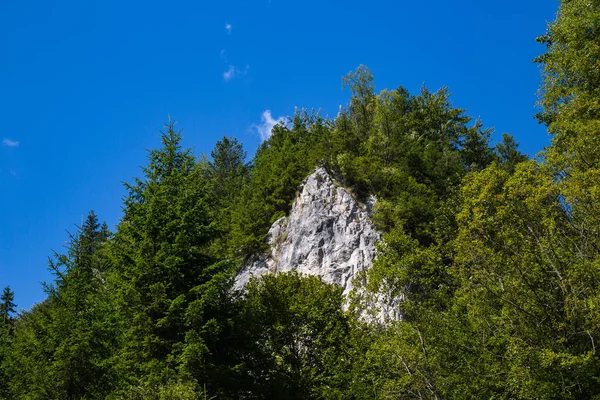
(229, 74)
(233, 72)
(10, 143)
(267, 122)
(228, 28)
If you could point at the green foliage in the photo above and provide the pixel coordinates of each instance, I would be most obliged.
(508, 154)
(494, 259)
(280, 165)
(27, 363)
(160, 252)
(518, 271)
(68, 333)
(404, 268)
(227, 170)
(476, 150)
(7, 307)
(7, 311)
(296, 333)
(227, 173)
(169, 391)
(571, 78)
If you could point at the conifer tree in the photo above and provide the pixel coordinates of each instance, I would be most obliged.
(71, 327)
(476, 150)
(161, 253)
(7, 311)
(228, 169)
(7, 306)
(508, 153)
(79, 319)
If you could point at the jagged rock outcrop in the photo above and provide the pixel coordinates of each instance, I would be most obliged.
(328, 233)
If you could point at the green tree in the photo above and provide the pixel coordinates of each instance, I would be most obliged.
(160, 253)
(7, 306)
(475, 148)
(518, 268)
(71, 328)
(508, 153)
(280, 165)
(362, 88)
(28, 359)
(571, 77)
(228, 169)
(81, 320)
(228, 173)
(296, 336)
(7, 311)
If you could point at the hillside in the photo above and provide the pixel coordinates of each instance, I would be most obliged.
(232, 279)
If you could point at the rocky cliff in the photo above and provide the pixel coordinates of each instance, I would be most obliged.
(328, 233)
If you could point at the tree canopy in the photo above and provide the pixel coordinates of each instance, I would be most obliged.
(496, 258)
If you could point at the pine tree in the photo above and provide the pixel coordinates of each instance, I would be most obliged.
(7, 311)
(72, 327)
(227, 170)
(227, 173)
(508, 153)
(7, 306)
(475, 148)
(160, 252)
(79, 318)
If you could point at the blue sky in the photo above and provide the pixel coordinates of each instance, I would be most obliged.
(86, 85)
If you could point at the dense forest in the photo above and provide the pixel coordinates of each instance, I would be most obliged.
(497, 257)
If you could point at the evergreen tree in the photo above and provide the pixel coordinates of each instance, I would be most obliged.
(160, 254)
(7, 306)
(7, 311)
(475, 148)
(28, 359)
(508, 153)
(71, 328)
(228, 170)
(227, 173)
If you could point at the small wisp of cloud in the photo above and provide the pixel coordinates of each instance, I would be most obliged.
(228, 28)
(229, 74)
(10, 143)
(233, 72)
(267, 122)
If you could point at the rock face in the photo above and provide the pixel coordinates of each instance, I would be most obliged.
(327, 233)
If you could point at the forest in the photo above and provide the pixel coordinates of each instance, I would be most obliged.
(496, 255)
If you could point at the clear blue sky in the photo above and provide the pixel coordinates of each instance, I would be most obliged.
(86, 85)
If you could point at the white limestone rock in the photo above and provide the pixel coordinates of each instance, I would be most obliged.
(327, 233)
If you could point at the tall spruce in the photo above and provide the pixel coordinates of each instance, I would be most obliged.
(508, 153)
(7, 311)
(7, 306)
(71, 328)
(160, 253)
(227, 169)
